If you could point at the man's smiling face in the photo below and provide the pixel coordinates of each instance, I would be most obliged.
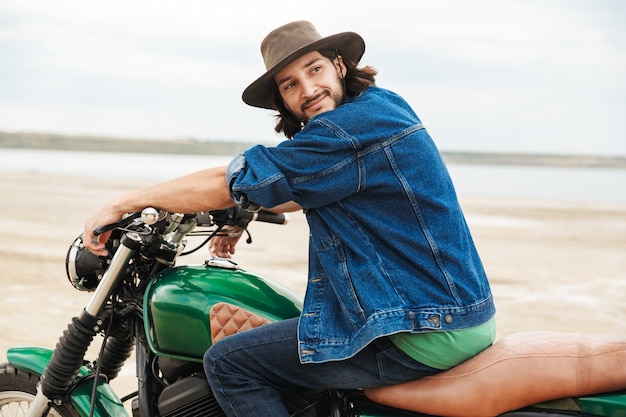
(312, 84)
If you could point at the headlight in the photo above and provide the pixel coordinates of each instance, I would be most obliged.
(84, 269)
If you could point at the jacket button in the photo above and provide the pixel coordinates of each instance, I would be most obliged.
(448, 318)
(434, 320)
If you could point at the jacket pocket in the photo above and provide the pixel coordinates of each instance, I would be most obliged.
(334, 262)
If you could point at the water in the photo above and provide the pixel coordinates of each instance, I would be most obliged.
(157, 167)
(557, 183)
(575, 184)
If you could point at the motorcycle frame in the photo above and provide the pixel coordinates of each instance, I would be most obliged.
(35, 360)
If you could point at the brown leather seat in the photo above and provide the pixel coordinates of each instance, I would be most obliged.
(517, 371)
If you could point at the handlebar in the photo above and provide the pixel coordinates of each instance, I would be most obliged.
(234, 216)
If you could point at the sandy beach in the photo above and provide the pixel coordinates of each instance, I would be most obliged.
(553, 265)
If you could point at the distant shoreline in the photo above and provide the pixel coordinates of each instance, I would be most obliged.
(25, 140)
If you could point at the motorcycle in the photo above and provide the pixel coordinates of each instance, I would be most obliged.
(169, 315)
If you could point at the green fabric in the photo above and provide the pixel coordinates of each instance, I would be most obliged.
(443, 350)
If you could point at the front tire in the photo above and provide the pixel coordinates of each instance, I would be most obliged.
(17, 391)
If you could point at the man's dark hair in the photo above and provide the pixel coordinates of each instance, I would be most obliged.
(356, 81)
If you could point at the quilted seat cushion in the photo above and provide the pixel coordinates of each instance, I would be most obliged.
(519, 370)
(226, 319)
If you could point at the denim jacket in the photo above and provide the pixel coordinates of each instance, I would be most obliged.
(389, 248)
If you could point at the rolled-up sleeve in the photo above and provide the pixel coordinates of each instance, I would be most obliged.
(235, 166)
(256, 180)
(234, 169)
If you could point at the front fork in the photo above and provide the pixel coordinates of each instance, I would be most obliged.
(70, 351)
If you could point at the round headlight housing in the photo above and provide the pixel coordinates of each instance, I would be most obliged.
(84, 269)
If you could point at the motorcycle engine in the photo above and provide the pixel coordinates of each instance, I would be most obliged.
(190, 396)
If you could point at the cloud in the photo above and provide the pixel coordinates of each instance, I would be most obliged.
(524, 75)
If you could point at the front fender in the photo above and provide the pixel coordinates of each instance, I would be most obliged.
(35, 360)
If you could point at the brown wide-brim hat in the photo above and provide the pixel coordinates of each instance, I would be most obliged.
(288, 43)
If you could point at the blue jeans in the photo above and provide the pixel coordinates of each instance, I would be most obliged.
(247, 371)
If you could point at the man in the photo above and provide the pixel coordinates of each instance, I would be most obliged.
(396, 289)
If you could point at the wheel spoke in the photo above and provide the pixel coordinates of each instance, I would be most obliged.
(17, 403)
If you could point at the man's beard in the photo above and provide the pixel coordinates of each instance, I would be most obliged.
(337, 98)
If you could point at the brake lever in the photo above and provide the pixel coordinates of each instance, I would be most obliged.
(122, 223)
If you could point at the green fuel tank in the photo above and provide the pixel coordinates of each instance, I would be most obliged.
(177, 304)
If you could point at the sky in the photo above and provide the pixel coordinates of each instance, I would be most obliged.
(540, 76)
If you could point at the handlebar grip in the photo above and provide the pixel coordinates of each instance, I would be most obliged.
(235, 215)
(264, 216)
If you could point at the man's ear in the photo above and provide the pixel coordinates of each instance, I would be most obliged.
(341, 67)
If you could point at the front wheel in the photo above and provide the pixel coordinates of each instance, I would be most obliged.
(17, 391)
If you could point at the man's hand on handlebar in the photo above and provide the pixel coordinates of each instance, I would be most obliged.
(96, 244)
